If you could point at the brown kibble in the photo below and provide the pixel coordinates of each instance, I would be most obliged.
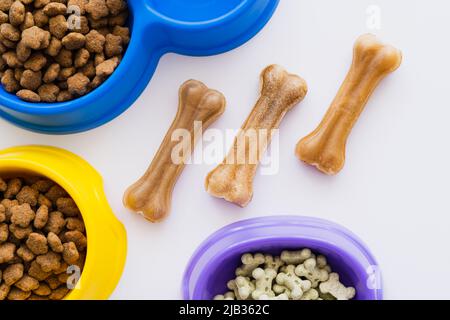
(113, 45)
(4, 232)
(36, 38)
(16, 259)
(8, 204)
(95, 42)
(122, 32)
(67, 206)
(9, 83)
(4, 18)
(17, 13)
(62, 268)
(23, 52)
(75, 224)
(49, 53)
(116, 6)
(49, 261)
(4, 290)
(70, 253)
(27, 283)
(36, 272)
(28, 22)
(51, 74)
(43, 201)
(41, 217)
(14, 186)
(99, 58)
(55, 222)
(89, 69)
(81, 4)
(77, 86)
(22, 215)
(97, 81)
(97, 9)
(76, 237)
(41, 3)
(81, 58)
(5, 5)
(54, 47)
(63, 277)
(17, 294)
(12, 60)
(54, 8)
(119, 20)
(25, 254)
(107, 67)
(37, 243)
(64, 96)
(20, 232)
(74, 41)
(3, 64)
(13, 273)
(2, 213)
(58, 26)
(3, 185)
(48, 92)
(40, 19)
(64, 58)
(31, 80)
(66, 73)
(53, 282)
(83, 27)
(36, 62)
(43, 290)
(43, 185)
(28, 195)
(9, 32)
(54, 242)
(59, 293)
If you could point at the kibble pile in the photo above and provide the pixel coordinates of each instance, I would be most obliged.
(58, 50)
(42, 240)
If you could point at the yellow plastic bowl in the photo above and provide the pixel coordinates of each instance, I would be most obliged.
(106, 236)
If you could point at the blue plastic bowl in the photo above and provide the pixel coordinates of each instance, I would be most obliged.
(194, 27)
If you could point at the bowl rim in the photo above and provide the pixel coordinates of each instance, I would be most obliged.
(208, 23)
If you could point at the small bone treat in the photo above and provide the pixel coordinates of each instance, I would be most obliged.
(306, 276)
(49, 48)
(38, 242)
(325, 147)
(334, 287)
(151, 195)
(233, 179)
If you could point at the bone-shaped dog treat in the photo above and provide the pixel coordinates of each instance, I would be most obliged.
(324, 148)
(151, 195)
(233, 179)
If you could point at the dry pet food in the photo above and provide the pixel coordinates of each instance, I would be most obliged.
(42, 234)
(58, 50)
(294, 275)
(151, 195)
(325, 147)
(233, 179)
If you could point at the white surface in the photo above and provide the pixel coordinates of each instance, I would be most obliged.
(393, 191)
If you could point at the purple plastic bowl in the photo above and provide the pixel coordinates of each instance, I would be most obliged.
(215, 261)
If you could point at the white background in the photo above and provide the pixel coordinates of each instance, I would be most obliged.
(393, 191)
